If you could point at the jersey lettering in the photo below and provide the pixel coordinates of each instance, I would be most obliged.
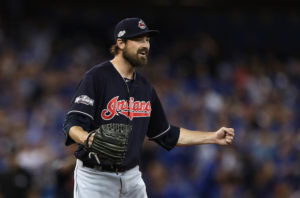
(135, 109)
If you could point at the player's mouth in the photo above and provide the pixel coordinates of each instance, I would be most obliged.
(143, 53)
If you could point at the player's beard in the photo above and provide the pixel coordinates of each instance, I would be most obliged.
(136, 60)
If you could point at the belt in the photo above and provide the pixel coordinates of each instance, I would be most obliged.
(111, 168)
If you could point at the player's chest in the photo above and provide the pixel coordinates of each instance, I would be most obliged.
(129, 102)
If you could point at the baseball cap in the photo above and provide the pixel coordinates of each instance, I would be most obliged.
(132, 27)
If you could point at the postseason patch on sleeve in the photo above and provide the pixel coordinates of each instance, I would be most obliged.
(84, 99)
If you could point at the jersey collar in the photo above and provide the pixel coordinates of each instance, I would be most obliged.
(134, 73)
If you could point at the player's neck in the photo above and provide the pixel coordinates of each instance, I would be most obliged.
(123, 67)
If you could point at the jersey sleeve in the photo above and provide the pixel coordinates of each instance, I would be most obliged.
(159, 129)
(84, 98)
(75, 119)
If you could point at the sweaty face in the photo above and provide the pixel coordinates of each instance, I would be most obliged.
(136, 51)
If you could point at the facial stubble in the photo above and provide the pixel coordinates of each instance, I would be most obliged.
(134, 59)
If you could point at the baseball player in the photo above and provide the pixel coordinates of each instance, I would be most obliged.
(112, 111)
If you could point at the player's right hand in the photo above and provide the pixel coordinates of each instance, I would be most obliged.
(91, 139)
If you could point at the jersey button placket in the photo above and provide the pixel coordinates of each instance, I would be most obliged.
(128, 102)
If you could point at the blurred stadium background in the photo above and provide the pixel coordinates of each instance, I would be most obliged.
(215, 63)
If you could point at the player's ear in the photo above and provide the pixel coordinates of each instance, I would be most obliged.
(121, 43)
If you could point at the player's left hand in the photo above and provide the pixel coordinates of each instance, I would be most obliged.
(224, 136)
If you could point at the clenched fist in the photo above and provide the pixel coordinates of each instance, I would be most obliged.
(224, 136)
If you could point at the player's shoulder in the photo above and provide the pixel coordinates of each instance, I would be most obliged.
(99, 69)
(143, 80)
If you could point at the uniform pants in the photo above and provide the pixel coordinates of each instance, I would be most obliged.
(91, 183)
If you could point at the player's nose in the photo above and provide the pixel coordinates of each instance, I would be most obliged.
(145, 44)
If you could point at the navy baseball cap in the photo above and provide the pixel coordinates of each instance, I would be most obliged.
(132, 27)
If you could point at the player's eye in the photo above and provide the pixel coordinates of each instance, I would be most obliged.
(140, 39)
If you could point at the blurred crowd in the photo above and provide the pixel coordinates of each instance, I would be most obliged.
(203, 81)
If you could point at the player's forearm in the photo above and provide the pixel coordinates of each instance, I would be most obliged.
(78, 134)
(188, 137)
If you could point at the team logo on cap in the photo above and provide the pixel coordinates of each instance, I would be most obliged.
(142, 25)
(121, 33)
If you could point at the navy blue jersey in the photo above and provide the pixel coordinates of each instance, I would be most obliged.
(103, 97)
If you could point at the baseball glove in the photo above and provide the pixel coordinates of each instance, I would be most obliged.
(110, 143)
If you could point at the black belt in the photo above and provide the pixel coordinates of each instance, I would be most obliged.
(111, 168)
